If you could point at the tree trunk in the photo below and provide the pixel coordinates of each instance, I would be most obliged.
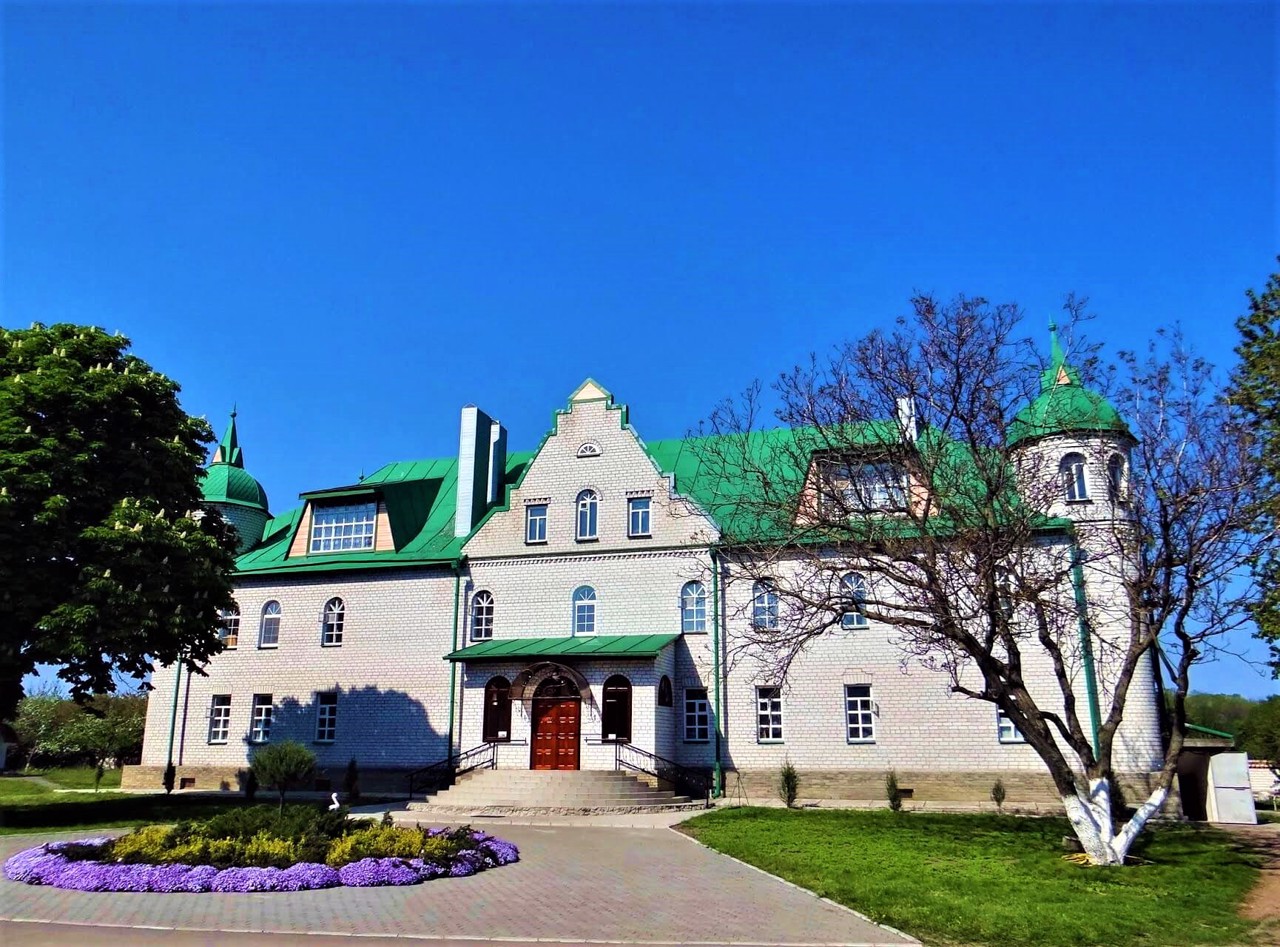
(1090, 818)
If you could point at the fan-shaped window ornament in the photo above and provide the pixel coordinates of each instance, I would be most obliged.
(590, 449)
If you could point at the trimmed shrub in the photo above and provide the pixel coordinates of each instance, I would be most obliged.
(283, 766)
(892, 791)
(170, 778)
(788, 784)
(997, 794)
(351, 781)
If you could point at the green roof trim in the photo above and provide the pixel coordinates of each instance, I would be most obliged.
(1211, 732)
(594, 646)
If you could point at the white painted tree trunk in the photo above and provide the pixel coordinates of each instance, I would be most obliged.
(1090, 817)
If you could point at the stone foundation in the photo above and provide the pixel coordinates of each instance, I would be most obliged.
(1032, 791)
(373, 782)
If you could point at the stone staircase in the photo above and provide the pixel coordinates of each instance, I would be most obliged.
(569, 792)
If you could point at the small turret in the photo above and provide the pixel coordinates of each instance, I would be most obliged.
(1075, 441)
(229, 488)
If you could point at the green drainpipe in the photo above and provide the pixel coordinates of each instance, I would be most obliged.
(173, 714)
(1086, 649)
(718, 771)
(453, 665)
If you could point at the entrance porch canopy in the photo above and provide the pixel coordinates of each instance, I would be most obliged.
(593, 646)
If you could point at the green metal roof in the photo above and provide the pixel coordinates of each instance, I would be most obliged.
(226, 481)
(420, 496)
(594, 646)
(1064, 406)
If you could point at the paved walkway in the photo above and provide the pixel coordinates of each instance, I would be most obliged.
(573, 885)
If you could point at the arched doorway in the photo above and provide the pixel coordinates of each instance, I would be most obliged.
(557, 715)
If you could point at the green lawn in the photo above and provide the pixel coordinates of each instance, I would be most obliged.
(81, 777)
(992, 880)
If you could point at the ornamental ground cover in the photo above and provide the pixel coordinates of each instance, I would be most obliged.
(261, 849)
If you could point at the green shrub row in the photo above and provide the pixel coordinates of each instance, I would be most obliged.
(264, 837)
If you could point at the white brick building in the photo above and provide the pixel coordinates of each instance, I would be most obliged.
(558, 603)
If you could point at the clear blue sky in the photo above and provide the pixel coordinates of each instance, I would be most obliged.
(352, 220)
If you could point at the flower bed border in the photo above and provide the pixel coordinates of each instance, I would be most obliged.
(45, 865)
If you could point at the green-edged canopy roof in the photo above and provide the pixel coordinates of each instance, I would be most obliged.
(592, 646)
(1064, 406)
(226, 481)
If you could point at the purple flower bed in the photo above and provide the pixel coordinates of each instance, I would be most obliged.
(46, 865)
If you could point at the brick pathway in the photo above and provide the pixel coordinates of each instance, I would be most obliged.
(573, 885)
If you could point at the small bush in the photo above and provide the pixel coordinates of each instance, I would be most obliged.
(788, 784)
(170, 778)
(997, 794)
(892, 791)
(381, 841)
(283, 766)
(263, 851)
(147, 844)
(294, 823)
(351, 781)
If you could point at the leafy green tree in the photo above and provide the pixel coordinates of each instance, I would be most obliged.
(283, 766)
(107, 558)
(1257, 389)
(41, 723)
(1259, 735)
(1226, 712)
(109, 728)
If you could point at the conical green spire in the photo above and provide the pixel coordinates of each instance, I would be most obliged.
(228, 451)
(1058, 372)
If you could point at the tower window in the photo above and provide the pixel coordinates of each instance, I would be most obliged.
(588, 515)
(482, 616)
(1075, 482)
(332, 621)
(853, 590)
(1117, 479)
(693, 609)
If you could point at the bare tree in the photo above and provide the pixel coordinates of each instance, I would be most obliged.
(1040, 547)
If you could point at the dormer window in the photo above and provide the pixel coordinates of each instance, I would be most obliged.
(1075, 483)
(590, 449)
(866, 487)
(343, 528)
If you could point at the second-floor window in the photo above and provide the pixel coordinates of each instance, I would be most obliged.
(764, 606)
(343, 528)
(588, 515)
(332, 621)
(482, 616)
(269, 630)
(693, 608)
(853, 592)
(638, 517)
(535, 523)
(229, 626)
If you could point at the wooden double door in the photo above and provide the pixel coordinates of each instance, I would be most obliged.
(557, 730)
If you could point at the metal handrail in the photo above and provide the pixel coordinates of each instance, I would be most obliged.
(690, 782)
(442, 773)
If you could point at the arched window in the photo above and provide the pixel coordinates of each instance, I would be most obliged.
(615, 712)
(331, 622)
(497, 710)
(1117, 479)
(764, 606)
(853, 590)
(693, 609)
(482, 616)
(229, 626)
(664, 692)
(269, 629)
(584, 610)
(1074, 482)
(1004, 593)
(588, 514)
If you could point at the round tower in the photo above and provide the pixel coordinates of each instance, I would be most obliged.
(1073, 446)
(229, 488)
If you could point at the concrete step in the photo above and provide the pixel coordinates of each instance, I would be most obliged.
(551, 790)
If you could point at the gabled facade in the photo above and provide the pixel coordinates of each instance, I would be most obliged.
(567, 602)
